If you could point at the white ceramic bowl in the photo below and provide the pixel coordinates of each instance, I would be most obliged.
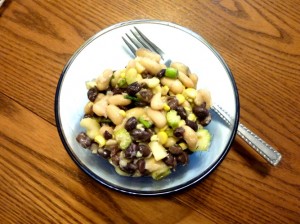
(107, 50)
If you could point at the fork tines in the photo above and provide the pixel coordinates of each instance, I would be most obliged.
(139, 40)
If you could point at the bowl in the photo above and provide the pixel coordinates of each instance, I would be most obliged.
(106, 50)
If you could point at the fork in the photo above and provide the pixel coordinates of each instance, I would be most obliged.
(139, 40)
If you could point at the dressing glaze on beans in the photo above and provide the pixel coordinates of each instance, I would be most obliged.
(146, 119)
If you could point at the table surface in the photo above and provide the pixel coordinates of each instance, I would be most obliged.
(40, 183)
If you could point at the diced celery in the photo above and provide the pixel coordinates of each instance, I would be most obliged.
(123, 138)
(173, 119)
(204, 139)
(160, 174)
(152, 165)
(100, 140)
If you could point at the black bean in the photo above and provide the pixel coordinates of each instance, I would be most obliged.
(134, 88)
(115, 159)
(114, 149)
(140, 104)
(141, 135)
(178, 132)
(203, 105)
(206, 120)
(131, 124)
(94, 147)
(131, 151)
(172, 102)
(147, 135)
(130, 168)
(146, 95)
(141, 165)
(123, 107)
(88, 115)
(175, 150)
(183, 158)
(84, 140)
(201, 112)
(170, 160)
(192, 124)
(104, 153)
(92, 93)
(144, 85)
(144, 150)
(161, 73)
(107, 135)
(117, 90)
(181, 112)
(146, 75)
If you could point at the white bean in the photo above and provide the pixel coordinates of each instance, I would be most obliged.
(106, 128)
(104, 79)
(111, 142)
(180, 67)
(177, 87)
(151, 82)
(139, 67)
(167, 81)
(152, 66)
(185, 80)
(174, 84)
(142, 52)
(158, 117)
(156, 102)
(91, 125)
(135, 112)
(131, 64)
(194, 78)
(88, 109)
(99, 97)
(203, 96)
(115, 78)
(206, 97)
(113, 113)
(186, 104)
(190, 137)
(100, 106)
(170, 141)
(118, 100)
(120, 126)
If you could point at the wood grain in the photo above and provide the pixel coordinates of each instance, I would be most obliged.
(39, 183)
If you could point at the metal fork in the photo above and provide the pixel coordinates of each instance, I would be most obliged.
(138, 40)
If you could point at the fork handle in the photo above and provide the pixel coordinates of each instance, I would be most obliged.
(259, 145)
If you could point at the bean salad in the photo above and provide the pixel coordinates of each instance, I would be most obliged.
(146, 119)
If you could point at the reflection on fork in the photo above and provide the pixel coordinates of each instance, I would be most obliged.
(138, 40)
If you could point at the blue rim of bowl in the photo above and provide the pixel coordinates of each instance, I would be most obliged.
(140, 192)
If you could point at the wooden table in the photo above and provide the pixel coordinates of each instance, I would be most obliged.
(260, 41)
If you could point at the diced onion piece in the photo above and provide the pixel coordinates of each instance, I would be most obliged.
(159, 152)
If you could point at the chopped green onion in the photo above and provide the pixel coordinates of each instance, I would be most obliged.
(122, 82)
(145, 122)
(105, 120)
(171, 73)
(133, 98)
